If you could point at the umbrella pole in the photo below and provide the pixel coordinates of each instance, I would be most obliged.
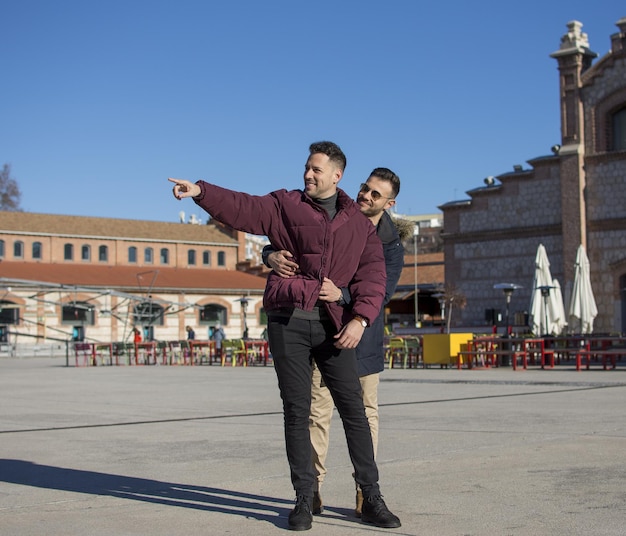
(545, 292)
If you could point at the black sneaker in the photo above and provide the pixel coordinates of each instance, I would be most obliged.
(300, 518)
(375, 511)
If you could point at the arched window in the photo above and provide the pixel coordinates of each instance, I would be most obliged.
(148, 255)
(103, 253)
(165, 256)
(619, 130)
(191, 257)
(206, 258)
(148, 313)
(2, 248)
(37, 250)
(85, 252)
(68, 252)
(18, 249)
(212, 314)
(132, 254)
(221, 258)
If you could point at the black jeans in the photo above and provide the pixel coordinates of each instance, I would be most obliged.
(294, 343)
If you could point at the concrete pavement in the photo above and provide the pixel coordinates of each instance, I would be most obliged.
(199, 450)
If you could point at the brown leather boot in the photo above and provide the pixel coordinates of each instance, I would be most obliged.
(359, 503)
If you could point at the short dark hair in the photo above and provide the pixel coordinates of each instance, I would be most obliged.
(385, 174)
(330, 149)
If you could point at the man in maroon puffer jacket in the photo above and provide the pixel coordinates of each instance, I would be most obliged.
(329, 238)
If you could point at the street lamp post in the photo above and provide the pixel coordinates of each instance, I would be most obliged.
(244, 308)
(416, 232)
(508, 289)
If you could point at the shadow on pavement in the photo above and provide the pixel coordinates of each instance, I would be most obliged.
(152, 491)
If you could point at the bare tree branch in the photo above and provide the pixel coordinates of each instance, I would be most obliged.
(10, 194)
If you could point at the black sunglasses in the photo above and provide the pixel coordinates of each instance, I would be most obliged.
(375, 194)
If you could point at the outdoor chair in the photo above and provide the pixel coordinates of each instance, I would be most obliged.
(413, 352)
(162, 350)
(203, 352)
(235, 350)
(83, 352)
(145, 353)
(122, 352)
(396, 351)
(174, 354)
(103, 353)
(185, 353)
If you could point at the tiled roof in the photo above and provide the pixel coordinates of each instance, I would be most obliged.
(54, 224)
(127, 278)
(430, 270)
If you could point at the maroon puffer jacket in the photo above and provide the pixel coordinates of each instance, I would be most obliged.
(345, 249)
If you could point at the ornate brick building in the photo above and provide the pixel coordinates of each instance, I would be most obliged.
(576, 195)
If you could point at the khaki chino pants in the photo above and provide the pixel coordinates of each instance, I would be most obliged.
(321, 415)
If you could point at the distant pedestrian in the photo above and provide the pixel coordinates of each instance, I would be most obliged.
(191, 334)
(218, 336)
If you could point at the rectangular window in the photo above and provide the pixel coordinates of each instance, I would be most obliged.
(79, 312)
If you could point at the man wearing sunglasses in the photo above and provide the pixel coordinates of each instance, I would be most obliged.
(375, 197)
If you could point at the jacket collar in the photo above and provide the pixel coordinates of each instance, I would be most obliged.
(386, 230)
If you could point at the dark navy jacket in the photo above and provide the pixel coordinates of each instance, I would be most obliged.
(370, 353)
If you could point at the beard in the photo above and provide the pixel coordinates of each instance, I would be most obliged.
(368, 210)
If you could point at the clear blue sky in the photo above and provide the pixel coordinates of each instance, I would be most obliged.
(102, 101)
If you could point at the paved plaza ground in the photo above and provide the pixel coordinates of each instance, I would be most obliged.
(171, 450)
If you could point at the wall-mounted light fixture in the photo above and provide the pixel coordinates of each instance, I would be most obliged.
(490, 181)
(517, 168)
(555, 149)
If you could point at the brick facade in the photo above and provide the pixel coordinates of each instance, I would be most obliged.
(42, 287)
(575, 196)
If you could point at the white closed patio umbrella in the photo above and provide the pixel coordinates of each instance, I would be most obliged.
(546, 301)
(560, 318)
(582, 308)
